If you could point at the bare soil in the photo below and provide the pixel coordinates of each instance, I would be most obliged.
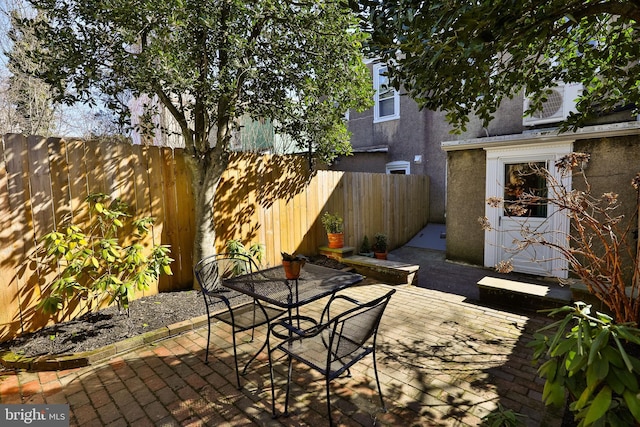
(95, 330)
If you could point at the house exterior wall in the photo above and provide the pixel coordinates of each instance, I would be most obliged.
(456, 163)
(362, 162)
(402, 139)
(415, 138)
(466, 177)
(614, 163)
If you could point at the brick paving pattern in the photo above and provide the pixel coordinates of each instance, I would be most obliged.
(442, 362)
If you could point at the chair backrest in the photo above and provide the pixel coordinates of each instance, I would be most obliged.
(352, 329)
(210, 271)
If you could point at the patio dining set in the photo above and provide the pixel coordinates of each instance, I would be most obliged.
(344, 334)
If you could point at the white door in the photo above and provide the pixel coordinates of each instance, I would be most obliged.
(510, 172)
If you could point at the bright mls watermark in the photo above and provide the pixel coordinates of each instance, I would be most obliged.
(34, 415)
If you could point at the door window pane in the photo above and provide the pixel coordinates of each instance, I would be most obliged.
(524, 179)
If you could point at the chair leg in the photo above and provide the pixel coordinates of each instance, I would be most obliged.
(327, 382)
(375, 371)
(235, 356)
(253, 328)
(206, 354)
(286, 399)
(273, 390)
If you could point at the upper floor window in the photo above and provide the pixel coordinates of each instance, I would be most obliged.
(386, 98)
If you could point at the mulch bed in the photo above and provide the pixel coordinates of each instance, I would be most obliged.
(95, 330)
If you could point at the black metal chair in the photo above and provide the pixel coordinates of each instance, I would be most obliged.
(243, 315)
(332, 346)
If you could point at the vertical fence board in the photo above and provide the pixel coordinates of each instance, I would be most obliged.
(265, 207)
(277, 224)
(125, 174)
(170, 231)
(186, 219)
(140, 165)
(95, 168)
(78, 184)
(110, 161)
(156, 196)
(42, 207)
(40, 185)
(59, 175)
(16, 155)
(10, 253)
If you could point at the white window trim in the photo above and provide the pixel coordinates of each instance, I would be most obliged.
(399, 165)
(376, 106)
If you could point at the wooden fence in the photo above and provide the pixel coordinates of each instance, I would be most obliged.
(273, 200)
(278, 202)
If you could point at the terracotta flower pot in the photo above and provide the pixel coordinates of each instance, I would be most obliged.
(292, 269)
(336, 240)
(380, 255)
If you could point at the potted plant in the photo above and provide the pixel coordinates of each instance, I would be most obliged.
(380, 245)
(365, 247)
(292, 264)
(334, 226)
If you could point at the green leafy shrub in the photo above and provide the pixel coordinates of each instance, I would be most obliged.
(587, 356)
(380, 242)
(502, 417)
(96, 265)
(332, 223)
(365, 247)
(255, 251)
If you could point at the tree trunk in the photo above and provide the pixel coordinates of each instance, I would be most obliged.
(206, 174)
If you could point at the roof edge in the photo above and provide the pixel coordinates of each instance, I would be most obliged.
(544, 135)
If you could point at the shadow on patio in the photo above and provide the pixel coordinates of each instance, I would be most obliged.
(442, 362)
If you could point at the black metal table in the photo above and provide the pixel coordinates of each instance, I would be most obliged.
(271, 287)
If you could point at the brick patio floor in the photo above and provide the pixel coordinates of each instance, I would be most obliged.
(442, 361)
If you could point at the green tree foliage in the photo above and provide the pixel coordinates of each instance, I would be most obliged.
(465, 57)
(96, 264)
(208, 63)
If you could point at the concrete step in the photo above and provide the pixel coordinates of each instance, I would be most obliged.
(511, 293)
(337, 254)
(390, 272)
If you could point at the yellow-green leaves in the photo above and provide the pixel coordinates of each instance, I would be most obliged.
(599, 406)
(553, 394)
(633, 403)
(97, 264)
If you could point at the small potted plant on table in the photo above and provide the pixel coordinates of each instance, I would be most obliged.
(380, 245)
(292, 264)
(334, 226)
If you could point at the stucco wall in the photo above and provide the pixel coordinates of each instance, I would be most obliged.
(361, 162)
(614, 163)
(465, 204)
(436, 130)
